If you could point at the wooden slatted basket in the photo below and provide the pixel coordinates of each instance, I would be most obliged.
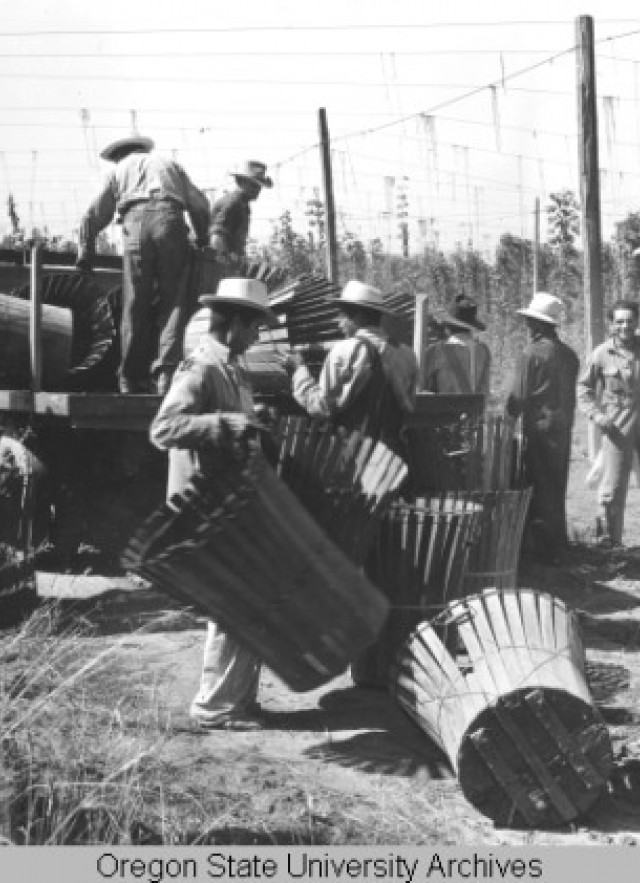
(346, 481)
(239, 546)
(418, 561)
(512, 710)
(471, 453)
(495, 556)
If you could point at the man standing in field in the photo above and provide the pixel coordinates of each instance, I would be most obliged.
(543, 392)
(366, 383)
(609, 394)
(149, 194)
(207, 411)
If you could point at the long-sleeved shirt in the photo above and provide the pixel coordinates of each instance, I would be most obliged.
(609, 386)
(188, 424)
(230, 219)
(136, 178)
(347, 369)
(543, 388)
(459, 365)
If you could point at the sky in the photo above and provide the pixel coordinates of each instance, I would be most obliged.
(463, 112)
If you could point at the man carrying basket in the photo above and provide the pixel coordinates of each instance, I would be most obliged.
(208, 411)
(366, 383)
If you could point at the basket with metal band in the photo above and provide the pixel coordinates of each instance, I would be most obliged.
(512, 710)
(418, 561)
(347, 481)
(239, 546)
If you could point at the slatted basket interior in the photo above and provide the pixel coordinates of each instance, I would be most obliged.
(470, 454)
(495, 556)
(240, 548)
(93, 356)
(512, 708)
(345, 480)
(418, 560)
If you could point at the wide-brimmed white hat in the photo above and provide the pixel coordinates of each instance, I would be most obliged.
(544, 307)
(247, 293)
(132, 142)
(361, 296)
(254, 171)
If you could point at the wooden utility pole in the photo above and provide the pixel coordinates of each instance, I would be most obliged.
(589, 182)
(35, 318)
(536, 246)
(329, 208)
(589, 195)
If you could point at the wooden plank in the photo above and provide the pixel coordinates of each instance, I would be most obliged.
(566, 741)
(15, 400)
(508, 780)
(97, 410)
(561, 803)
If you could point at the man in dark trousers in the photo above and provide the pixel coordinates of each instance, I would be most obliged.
(366, 382)
(149, 195)
(543, 391)
(231, 217)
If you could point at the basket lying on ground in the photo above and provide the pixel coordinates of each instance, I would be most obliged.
(470, 454)
(242, 549)
(513, 713)
(345, 480)
(418, 561)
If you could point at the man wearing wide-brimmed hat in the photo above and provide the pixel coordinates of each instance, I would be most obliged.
(208, 411)
(543, 391)
(148, 194)
(366, 382)
(460, 364)
(231, 214)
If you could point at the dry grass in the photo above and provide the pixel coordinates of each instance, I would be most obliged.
(73, 760)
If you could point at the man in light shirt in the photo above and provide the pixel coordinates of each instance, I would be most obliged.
(366, 383)
(149, 195)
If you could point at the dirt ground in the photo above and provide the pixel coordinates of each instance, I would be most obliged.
(347, 752)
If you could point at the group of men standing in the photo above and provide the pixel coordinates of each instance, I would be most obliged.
(367, 382)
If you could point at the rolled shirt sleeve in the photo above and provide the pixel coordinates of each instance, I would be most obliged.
(344, 373)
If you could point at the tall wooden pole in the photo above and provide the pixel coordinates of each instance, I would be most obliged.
(35, 318)
(589, 182)
(329, 208)
(536, 246)
(589, 193)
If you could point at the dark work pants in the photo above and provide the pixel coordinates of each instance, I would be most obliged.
(155, 262)
(546, 463)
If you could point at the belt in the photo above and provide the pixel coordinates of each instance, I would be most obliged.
(152, 200)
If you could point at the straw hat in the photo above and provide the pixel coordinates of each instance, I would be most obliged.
(254, 171)
(132, 142)
(463, 314)
(360, 296)
(544, 307)
(246, 293)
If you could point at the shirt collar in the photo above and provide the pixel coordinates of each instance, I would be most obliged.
(210, 349)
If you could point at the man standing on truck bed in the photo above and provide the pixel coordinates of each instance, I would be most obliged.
(231, 217)
(149, 194)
